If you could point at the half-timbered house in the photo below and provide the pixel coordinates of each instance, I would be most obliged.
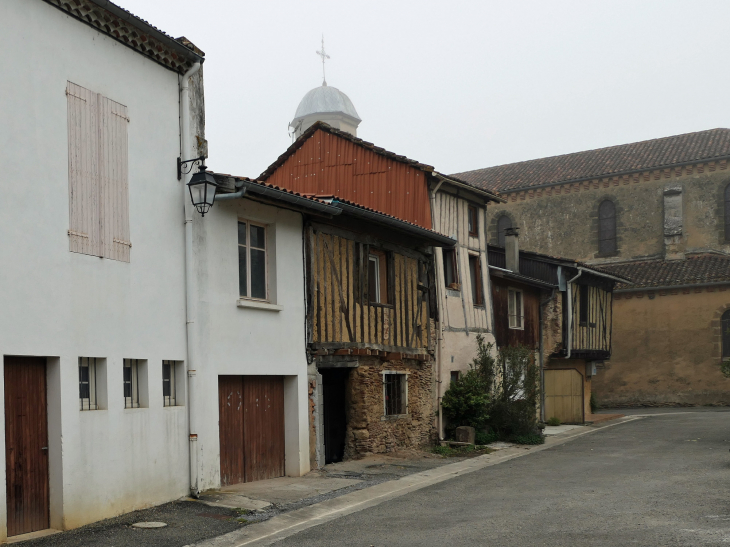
(561, 309)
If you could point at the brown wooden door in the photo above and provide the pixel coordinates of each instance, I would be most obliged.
(564, 395)
(251, 423)
(26, 445)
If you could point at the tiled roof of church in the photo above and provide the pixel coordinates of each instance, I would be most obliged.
(602, 162)
(694, 270)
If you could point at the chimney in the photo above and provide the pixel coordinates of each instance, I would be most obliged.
(673, 223)
(512, 249)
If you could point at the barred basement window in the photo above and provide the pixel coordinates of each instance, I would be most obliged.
(168, 383)
(395, 392)
(131, 383)
(87, 383)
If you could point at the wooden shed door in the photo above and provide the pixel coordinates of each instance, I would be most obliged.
(251, 423)
(26, 445)
(564, 395)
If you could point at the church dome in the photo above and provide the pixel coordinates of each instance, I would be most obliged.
(325, 99)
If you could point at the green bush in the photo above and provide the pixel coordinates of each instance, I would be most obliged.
(466, 402)
(725, 368)
(531, 438)
(553, 421)
(482, 437)
(593, 403)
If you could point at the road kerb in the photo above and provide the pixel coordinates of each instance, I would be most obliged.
(288, 524)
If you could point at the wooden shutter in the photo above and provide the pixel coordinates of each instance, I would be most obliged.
(113, 179)
(83, 171)
(98, 176)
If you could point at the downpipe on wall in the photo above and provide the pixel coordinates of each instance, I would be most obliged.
(190, 291)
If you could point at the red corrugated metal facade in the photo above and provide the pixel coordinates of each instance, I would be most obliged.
(330, 165)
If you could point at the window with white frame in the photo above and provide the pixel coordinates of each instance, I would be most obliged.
(169, 371)
(378, 270)
(252, 261)
(395, 393)
(87, 383)
(131, 383)
(516, 309)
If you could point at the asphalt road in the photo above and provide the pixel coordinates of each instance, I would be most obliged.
(660, 480)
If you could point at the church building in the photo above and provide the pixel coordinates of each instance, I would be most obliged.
(658, 213)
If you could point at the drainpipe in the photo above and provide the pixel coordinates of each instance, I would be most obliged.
(190, 285)
(570, 312)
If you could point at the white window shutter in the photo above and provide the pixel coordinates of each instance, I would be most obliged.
(83, 171)
(113, 179)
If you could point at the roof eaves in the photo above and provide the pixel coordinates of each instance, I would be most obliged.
(453, 181)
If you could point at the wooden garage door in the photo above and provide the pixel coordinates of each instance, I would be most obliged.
(26, 445)
(564, 395)
(251, 423)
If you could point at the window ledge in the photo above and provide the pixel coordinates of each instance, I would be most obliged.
(391, 417)
(243, 303)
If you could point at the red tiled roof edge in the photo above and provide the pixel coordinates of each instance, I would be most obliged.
(125, 27)
(329, 129)
(665, 152)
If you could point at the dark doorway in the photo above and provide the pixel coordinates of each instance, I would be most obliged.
(26, 445)
(334, 387)
(251, 425)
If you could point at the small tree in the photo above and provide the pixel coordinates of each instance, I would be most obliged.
(466, 402)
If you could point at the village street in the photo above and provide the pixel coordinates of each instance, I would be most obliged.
(659, 480)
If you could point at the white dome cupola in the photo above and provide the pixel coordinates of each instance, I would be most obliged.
(326, 104)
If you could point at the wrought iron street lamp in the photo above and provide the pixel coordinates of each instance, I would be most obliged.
(202, 185)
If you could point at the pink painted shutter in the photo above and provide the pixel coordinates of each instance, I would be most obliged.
(113, 180)
(83, 167)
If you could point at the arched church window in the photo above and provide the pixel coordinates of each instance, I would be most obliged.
(503, 223)
(606, 227)
(727, 213)
(725, 325)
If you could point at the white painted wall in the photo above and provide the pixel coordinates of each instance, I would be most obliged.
(64, 305)
(249, 341)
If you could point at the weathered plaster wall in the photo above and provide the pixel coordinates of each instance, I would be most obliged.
(368, 430)
(563, 220)
(667, 349)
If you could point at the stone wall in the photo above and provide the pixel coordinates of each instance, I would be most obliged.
(563, 220)
(666, 350)
(368, 430)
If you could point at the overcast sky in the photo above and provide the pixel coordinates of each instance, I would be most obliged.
(457, 85)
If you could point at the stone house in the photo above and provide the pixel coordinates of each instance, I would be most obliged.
(657, 211)
(563, 311)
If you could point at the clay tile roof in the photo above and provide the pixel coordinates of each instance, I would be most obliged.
(125, 27)
(694, 270)
(614, 160)
(329, 129)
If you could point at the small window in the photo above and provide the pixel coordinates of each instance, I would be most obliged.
(473, 221)
(169, 384)
(252, 261)
(395, 393)
(475, 274)
(454, 376)
(131, 383)
(516, 309)
(725, 324)
(451, 278)
(503, 224)
(727, 213)
(87, 383)
(607, 227)
(583, 296)
(378, 266)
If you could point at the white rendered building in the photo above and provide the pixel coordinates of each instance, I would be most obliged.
(111, 403)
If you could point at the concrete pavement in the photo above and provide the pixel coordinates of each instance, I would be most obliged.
(662, 479)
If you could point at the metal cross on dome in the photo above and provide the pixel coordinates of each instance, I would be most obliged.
(324, 56)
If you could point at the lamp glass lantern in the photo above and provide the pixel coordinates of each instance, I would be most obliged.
(202, 188)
